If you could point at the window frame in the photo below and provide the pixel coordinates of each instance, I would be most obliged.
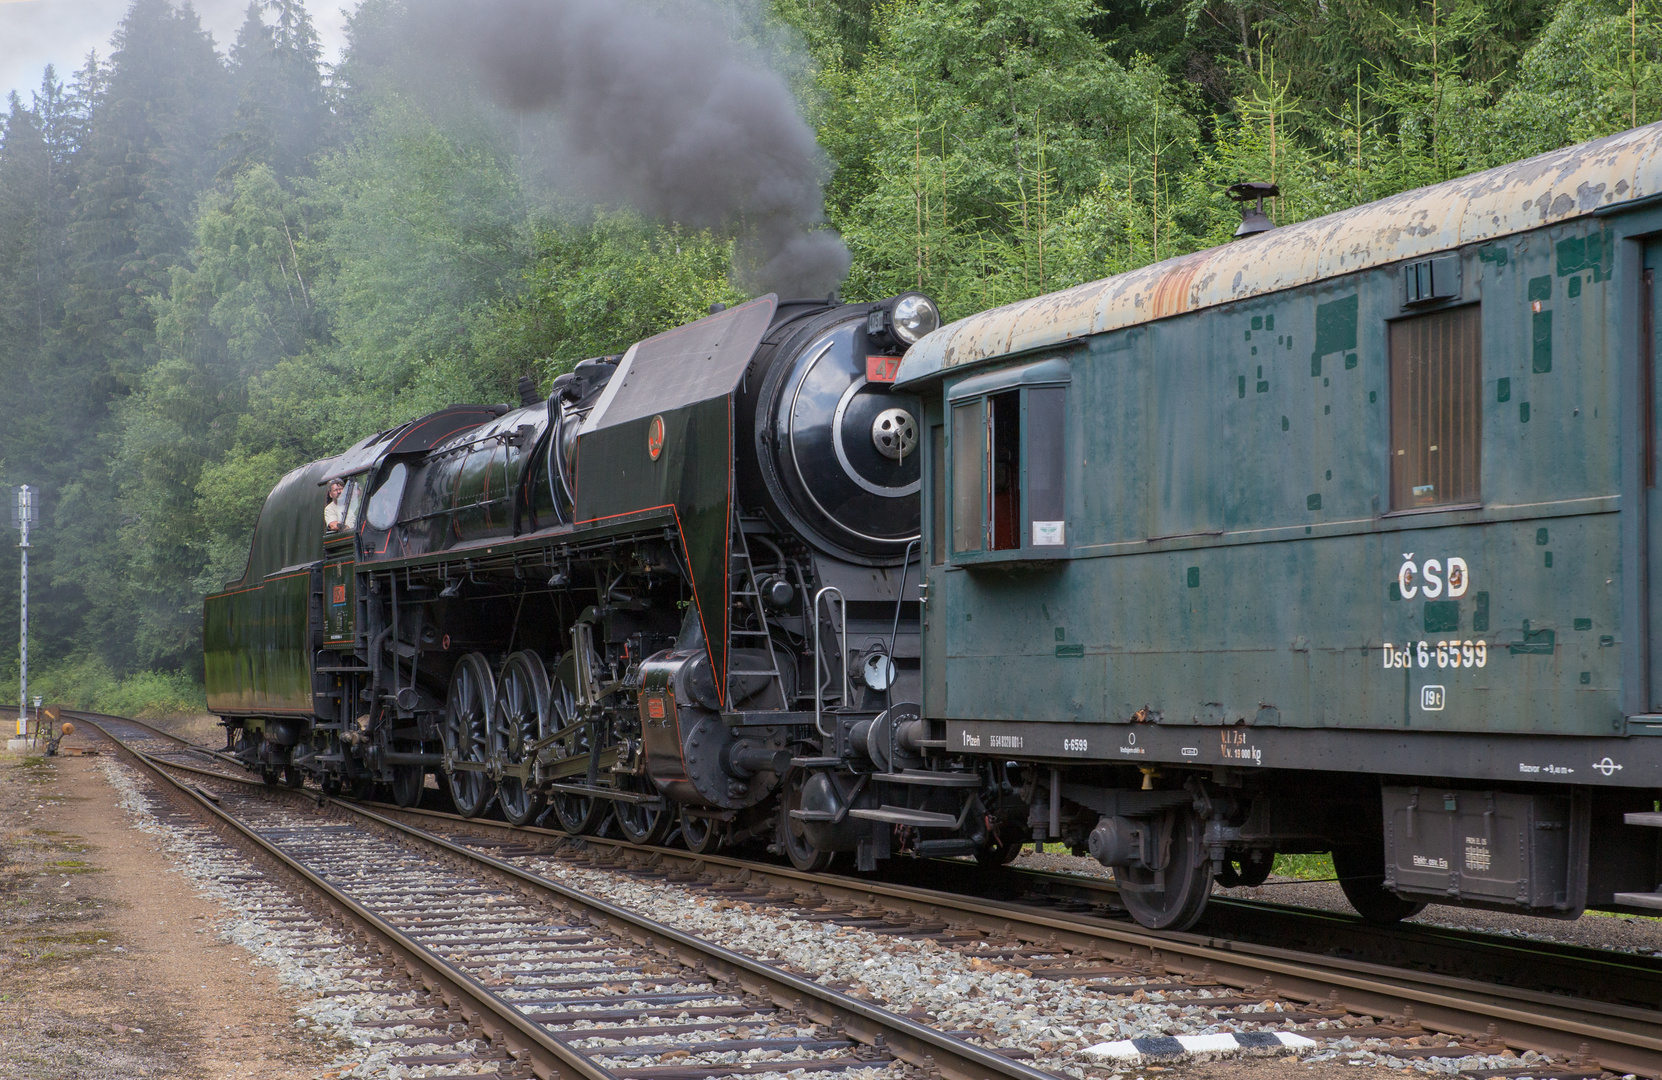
(978, 391)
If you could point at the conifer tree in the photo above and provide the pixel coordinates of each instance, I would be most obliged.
(282, 117)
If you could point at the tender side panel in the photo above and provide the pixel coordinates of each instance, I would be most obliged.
(257, 648)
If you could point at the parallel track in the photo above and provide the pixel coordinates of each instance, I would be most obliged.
(1621, 1036)
(538, 967)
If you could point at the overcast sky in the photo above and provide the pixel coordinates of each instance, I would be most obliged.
(34, 33)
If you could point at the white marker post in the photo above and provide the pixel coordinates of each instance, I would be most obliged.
(25, 512)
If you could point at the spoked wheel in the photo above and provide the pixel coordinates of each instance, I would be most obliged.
(1174, 898)
(798, 848)
(1361, 874)
(521, 704)
(407, 782)
(644, 824)
(577, 813)
(466, 731)
(702, 835)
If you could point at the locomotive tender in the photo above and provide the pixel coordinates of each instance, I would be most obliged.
(1341, 537)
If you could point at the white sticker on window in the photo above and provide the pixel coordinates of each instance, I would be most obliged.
(1047, 534)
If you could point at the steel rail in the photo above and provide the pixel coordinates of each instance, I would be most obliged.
(1623, 1039)
(901, 1036)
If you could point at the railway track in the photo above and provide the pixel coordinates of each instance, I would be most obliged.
(1054, 926)
(565, 984)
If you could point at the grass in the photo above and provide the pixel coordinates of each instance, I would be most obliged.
(1307, 867)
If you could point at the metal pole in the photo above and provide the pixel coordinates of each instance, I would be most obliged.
(23, 635)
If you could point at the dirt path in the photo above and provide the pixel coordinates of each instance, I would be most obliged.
(110, 965)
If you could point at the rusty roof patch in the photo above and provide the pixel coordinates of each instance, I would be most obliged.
(1547, 189)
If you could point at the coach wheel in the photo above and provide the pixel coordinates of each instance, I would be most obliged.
(269, 775)
(1361, 874)
(798, 848)
(1173, 898)
(578, 814)
(466, 729)
(643, 823)
(702, 835)
(521, 702)
(331, 784)
(293, 776)
(407, 782)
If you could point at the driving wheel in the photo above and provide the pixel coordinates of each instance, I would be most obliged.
(578, 814)
(466, 731)
(521, 703)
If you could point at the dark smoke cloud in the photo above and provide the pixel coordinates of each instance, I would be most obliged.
(663, 111)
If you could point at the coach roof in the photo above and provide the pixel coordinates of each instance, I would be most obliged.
(1544, 190)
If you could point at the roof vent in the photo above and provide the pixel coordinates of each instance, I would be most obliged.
(1253, 218)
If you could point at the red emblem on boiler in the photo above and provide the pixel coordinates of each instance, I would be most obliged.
(655, 437)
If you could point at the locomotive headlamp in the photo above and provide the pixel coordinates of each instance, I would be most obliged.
(904, 319)
(914, 316)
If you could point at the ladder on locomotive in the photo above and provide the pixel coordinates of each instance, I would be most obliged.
(747, 599)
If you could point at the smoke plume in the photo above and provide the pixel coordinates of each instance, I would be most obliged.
(663, 111)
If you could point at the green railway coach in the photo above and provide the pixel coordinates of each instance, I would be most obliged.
(1343, 536)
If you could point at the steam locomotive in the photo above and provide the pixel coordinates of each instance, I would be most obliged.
(681, 592)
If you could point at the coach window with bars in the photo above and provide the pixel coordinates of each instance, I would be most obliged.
(1007, 462)
(1436, 409)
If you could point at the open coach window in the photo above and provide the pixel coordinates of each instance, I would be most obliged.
(1436, 409)
(1006, 450)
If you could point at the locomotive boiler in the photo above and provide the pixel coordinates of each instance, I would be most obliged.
(678, 593)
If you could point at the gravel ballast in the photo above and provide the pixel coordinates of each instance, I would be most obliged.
(346, 1004)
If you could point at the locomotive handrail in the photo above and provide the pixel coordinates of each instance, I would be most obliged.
(819, 686)
(899, 600)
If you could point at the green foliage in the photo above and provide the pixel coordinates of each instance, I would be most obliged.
(86, 682)
(213, 270)
(1306, 867)
(594, 288)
